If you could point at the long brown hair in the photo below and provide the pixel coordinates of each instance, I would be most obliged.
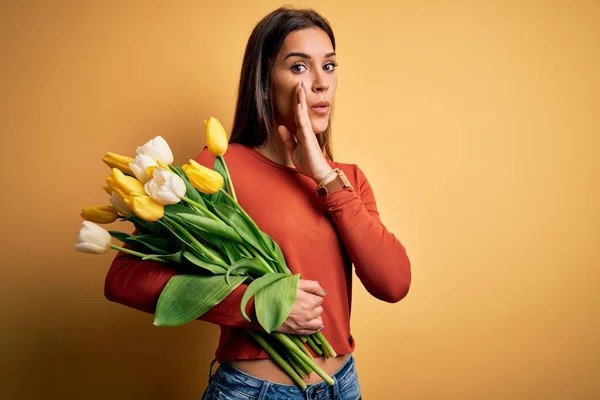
(254, 113)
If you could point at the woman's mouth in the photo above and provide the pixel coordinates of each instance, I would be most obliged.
(321, 108)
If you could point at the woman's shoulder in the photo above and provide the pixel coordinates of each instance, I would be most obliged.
(234, 150)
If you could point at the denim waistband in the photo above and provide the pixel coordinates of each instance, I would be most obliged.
(252, 386)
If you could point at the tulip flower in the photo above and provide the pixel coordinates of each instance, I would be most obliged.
(119, 205)
(202, 178)
(92, 239)
(145, 207)
(99, 215)
(216, 138)
(165, 187)
(118, 161)
(141, 165)
(157, 149)
(124, 185)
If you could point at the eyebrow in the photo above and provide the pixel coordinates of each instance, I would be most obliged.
(304, 55)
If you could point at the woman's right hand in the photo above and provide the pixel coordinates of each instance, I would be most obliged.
(305, 317)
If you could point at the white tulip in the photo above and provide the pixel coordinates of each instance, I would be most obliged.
(165, 187)
(158, 149)
(92, 239)
(119, 205)
(140, 165)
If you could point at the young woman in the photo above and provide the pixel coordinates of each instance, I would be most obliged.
(322, 214)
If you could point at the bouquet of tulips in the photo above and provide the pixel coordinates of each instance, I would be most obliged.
(189, 216)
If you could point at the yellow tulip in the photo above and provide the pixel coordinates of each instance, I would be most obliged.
(113, 187)
(204, 179)
(144, 207)
(118, 161)
(127, 184)
(99, 215)
(216, 138)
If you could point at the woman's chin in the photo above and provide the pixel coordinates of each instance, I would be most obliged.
(319, 128)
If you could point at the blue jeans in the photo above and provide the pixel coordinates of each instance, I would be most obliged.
(229, 383)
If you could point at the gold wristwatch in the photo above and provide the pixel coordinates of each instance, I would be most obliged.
(339, 182)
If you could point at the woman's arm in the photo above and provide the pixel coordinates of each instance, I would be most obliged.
(138, 284)
(379, 259)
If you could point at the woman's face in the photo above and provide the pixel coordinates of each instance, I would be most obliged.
(306, 56)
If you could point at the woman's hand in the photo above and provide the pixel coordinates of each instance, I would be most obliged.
(305, 317)
(302, 145)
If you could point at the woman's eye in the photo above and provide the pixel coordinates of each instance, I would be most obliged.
(330, 67)
(297, 68)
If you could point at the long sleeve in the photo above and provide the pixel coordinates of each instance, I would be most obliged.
(138, 284)
(379, 259)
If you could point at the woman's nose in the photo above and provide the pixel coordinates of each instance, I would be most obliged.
(320, 83)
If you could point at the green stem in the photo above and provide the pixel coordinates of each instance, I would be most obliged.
(278, 359)
(244, 250)
(229, 181)
(129, 251)
(249, 219)
(313, 345)
(259, 257)
(201, 207)
(301, 345)
(326, 344)
(294, 363)
(195, 242)
(290, 345)
(301, 364)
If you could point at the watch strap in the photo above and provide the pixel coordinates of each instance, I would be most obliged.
(339, 182)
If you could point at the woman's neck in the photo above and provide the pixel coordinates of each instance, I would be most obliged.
(276, 151)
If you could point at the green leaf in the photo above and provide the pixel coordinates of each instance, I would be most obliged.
(201, 234)
(246, 265)
(214, 268)
(175, 257)
(143, 226)
(187, 297)
(190, 190)
(245, 229)
(219, 228)
(120, 236)
(231, 250)
(151, 242)
(274, 303)
(180, 208)
(257, 285)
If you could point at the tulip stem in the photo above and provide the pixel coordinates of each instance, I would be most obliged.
(195, 242)
(201, 207)
(290, 345)
(229, 182)
(129, 251)
(248, 218)
(278, 359)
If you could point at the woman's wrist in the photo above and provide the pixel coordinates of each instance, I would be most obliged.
(324, 176)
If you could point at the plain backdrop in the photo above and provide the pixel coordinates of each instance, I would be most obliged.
(476, 123)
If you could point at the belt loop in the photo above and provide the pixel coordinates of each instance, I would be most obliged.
(336, 389)
(210, 374)
(263, 390)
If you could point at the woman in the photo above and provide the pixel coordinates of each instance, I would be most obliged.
(321, 213)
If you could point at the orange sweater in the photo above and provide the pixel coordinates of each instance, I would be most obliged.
(320, 237)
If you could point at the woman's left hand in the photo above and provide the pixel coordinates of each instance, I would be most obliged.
(303, 146)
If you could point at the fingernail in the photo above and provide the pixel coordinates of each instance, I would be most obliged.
(325, 291)
(302, 84)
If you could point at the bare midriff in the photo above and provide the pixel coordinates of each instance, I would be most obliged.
(266, 369)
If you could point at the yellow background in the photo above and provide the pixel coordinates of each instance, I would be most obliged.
(476, 123)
